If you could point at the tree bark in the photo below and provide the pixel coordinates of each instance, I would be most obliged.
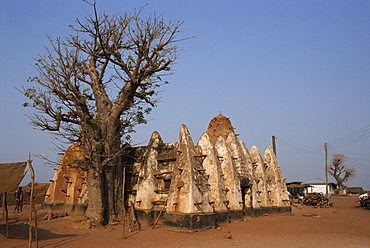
(340, 189)
(95, 209)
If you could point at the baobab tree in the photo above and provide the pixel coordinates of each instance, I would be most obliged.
(96, 85)
(340, 171)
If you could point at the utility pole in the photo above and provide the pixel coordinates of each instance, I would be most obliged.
(326, 169)
(274, 144)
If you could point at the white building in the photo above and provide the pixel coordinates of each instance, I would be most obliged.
(319, 186)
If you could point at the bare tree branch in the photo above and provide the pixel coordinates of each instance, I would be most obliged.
(96, 85)
(340, 171)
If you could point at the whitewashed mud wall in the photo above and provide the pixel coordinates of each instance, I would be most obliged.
(193, 186)
(207, 178)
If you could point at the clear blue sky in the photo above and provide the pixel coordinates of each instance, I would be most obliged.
(299, 70)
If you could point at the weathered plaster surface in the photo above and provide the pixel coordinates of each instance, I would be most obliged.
(216, 179)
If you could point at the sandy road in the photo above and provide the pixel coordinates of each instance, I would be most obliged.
(344, 225)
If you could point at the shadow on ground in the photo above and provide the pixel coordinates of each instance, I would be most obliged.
(20, 231)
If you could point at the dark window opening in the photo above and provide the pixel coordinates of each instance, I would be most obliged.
(167, 184)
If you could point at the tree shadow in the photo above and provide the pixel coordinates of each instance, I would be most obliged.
(20, 231)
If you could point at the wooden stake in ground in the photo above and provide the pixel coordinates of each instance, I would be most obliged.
(5, 204)
(132, 218)
(123, 203)
(159, 216)
(33, 216)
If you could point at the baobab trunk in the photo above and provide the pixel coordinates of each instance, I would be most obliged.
(340, 189)
(104, 176)
(113, 192)
(103, 191)
(95, 210)
(112, 170)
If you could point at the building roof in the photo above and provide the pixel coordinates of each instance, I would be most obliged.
(297, 186)
(219, 126)
(317, 182)
(294, 182)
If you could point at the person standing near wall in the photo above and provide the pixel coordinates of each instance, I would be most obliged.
(19, 198)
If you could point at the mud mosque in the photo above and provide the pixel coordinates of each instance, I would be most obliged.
(183, 185)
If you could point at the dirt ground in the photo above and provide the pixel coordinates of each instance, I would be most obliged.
(344, 225)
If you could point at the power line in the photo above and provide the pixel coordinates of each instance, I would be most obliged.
(304, 148)
(352, 141)
(333, 141)
(296, 150)
(353, 160)
(287, 153)
(290, 154)
(353, 137)
(362, 153)
(350, 138)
